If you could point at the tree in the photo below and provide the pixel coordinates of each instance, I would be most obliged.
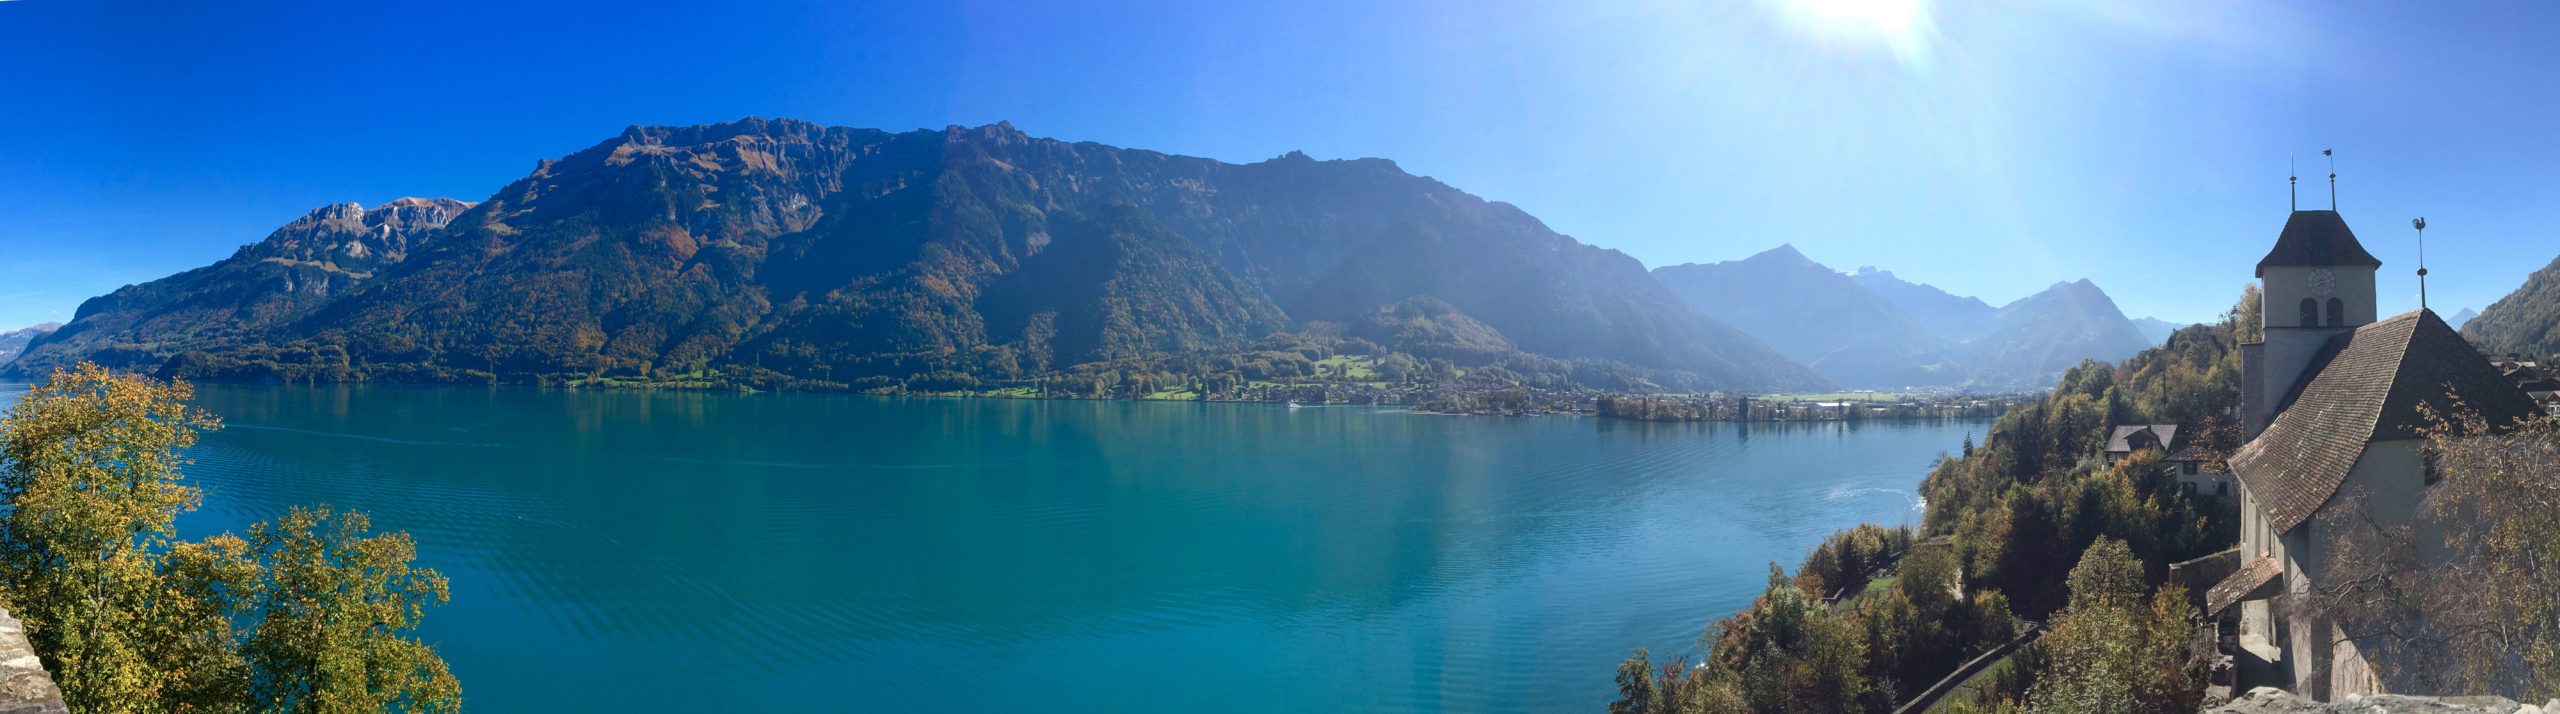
(2247, 318)
(331, 617)
(1787, 653)
(2506, 482)
(2109, 653)
(1674, 688)
(89, 465)
(308, 614)
(2458, 598)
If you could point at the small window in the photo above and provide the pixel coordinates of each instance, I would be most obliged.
(2190, 468)
(2221, 489)
(2310, 312)
(2188, 487)
(2337, 312)
(2427, 465)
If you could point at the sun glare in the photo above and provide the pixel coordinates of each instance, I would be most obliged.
(1903, 26)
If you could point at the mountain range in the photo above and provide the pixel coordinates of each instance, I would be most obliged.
(785, 250)
(300, 267)
(15, 341)
(1870, 329)
(2525, 322)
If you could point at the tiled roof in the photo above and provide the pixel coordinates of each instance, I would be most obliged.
(2117, 442)
(2315, 238)
(2246, 580)
(2365, 386)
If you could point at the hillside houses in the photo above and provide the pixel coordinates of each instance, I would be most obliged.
(2194, 475)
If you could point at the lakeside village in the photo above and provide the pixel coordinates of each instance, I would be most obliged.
(1513, 400)
(2537, 377)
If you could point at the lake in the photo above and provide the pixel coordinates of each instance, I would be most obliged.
(657, 551)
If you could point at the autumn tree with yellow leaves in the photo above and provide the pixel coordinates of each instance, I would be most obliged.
(309, 613)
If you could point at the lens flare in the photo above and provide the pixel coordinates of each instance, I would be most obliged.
(1902, 26)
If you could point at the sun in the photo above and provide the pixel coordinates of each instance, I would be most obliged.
(1878, 16)
(1904, 26)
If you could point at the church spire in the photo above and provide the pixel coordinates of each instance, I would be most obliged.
(2333, 177)
(2292, 185)
(2421, 224)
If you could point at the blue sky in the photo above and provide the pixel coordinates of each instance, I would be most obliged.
(1991, 148)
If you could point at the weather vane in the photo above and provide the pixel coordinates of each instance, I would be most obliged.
(2333, 177)
(2292, 185)
(2420, 223)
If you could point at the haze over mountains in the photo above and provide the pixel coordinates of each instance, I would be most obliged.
(2155, 330)
(865, 258)
(1870, 329)
(15, 341)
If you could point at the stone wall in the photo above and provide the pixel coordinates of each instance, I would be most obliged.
(24, 686)
(2269, 700)
(2201, 574)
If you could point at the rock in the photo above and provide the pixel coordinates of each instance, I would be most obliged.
(2269, 700)
(24, 686)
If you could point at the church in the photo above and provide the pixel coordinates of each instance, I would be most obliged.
(2331, 407)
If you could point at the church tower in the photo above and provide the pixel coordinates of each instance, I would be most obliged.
(2317, 283)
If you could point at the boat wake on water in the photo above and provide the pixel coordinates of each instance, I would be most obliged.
(1847, 492)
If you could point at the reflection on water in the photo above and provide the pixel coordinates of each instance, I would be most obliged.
(659, 551)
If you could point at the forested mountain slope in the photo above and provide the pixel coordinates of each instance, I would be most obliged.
(784, 250)
(2526, 321)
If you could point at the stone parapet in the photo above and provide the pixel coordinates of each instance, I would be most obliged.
(25, 688)
(2269, 700)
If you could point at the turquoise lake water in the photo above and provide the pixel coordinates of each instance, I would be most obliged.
(712, 552)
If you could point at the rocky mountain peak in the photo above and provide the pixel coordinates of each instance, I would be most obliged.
(1000, 133)
(349, 238)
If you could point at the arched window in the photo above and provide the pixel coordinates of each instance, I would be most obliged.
(2337, 312)
(2310, 312)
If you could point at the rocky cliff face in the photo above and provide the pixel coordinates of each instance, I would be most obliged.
(254, 295)
(349, 239)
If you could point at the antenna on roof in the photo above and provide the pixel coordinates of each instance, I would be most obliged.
(2333, 178)
(2420, 223)
(2292, 189)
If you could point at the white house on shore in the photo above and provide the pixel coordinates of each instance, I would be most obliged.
(2332, 401)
